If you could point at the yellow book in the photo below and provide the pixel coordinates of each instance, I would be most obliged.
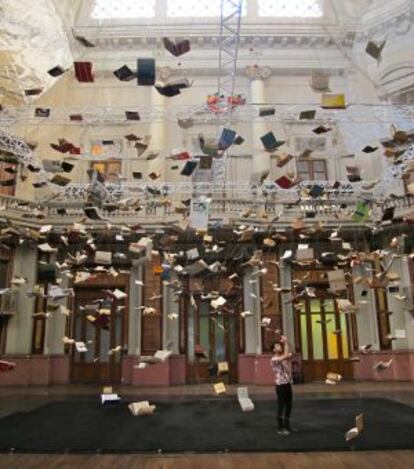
(333, 101)
(219, 388)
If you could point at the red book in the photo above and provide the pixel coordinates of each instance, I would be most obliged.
(83, 72)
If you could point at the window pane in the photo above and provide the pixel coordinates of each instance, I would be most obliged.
(319, 166)
(344, 336)
(331, 338)
(290, 8)
(319, 176)
(329, 306)
(220, 351)
(123, 9)
(303, 165)
(304, 336)
(204, 335)
(198, 8)
(315, 306)
(317, 337)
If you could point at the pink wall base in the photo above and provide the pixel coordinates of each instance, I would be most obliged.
(171, 372)
(36, 370)
(401, 369)
(255, 369)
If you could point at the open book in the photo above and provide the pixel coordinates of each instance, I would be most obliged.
(355, 431)
(141, 408)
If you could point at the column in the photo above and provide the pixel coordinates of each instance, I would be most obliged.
(401, 319)
(252, 327)
(366, 316)
(157, 127)
(261, 160)
(170, 327)
(56, 324)
(19, 330)
(134, 315)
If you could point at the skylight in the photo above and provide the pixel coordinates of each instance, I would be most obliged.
(196, 8)
(290, 8)
(123, 9)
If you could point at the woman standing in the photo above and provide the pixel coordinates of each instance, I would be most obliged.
(281, 363)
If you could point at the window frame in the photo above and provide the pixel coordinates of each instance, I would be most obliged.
(311, 166)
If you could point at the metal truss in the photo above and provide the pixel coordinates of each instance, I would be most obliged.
(231, 12)
(200, 114)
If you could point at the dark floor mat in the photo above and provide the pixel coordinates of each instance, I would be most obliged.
(207, 425)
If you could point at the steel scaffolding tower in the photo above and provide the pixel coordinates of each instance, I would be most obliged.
(231, 12)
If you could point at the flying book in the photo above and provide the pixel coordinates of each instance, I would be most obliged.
(219, 388)
(270, 142)
(333, 101)
(374, 49)
(141, 408)
(355, 431)
(176, 48)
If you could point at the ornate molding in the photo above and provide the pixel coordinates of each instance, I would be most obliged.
(258, 72)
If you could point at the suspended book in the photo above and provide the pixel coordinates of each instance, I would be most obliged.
(226, 139)
(333, 101)
(375, 49)
(185, 123)
(42, 112)
(85, 42)
(56, 71)
(125, 73)
(83, 72)
(173, 87)
(176, 48)
(355, 431)
(266, 111)
(270, 142)
(307, 115)
(146, 72)
(362, 212)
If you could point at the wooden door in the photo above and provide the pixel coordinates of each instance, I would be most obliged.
(324, 338)
(216, 335)
(100, 364)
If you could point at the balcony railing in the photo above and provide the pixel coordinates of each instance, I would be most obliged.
(165, 211)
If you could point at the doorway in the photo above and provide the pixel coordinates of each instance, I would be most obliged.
(324, 337)
(104, 337)
(212, 337)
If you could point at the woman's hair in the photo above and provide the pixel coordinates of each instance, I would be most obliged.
(277, 342)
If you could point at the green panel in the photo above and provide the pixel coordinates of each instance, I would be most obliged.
(329, 306)
(204, 334)
(304, 337)
(315, 306)
(344, 336)
(317, 337)
(331, 338)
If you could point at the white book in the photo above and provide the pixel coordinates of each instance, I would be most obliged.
(162, 354)
(109, 398)
(80, 347)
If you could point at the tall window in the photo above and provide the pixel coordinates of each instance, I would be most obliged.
(197, 8)
(123, 9)
(110, 169)
(312, 170)
(290, 8)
